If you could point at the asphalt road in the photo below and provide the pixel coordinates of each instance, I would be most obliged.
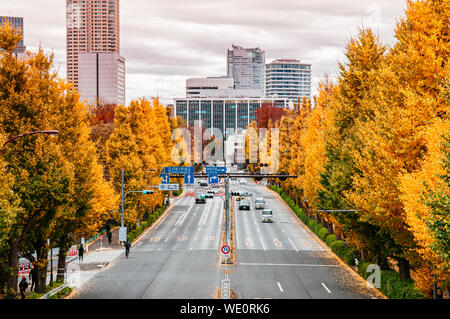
(284, 260)
(179, 259)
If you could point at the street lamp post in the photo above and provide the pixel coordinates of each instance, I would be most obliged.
(123, 196)
(48, 132)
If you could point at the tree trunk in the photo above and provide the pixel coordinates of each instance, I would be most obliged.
(41, 270)
(13, 265)
(62, 255)
(404, 269)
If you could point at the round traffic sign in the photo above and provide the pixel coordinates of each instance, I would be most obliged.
(225, 249)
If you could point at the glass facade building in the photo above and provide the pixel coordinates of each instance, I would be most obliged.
(287, 78)
(226, 114)
(246, 67)
(17, 23)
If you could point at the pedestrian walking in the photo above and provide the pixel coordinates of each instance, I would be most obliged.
(80, 253)
(127, 248)
(23, 287)
(33, 278)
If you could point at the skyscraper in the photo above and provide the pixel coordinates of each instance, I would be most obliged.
(17, 23)
(102, 78)
(92, 26)
(246, 67)
(287, 78)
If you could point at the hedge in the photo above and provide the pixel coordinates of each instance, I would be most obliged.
(391, 284)
(323, 233)
(330, 239)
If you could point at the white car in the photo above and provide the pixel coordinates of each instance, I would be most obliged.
(267, 216)
(259, 203)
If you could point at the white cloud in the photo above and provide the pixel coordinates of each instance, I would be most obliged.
(165, 42)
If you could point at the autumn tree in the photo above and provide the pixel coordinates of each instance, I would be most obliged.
(406, 100)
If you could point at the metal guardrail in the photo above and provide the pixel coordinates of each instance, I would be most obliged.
(54, 291)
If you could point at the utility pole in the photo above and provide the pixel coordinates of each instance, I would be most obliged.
(227, 210)
(122, 199)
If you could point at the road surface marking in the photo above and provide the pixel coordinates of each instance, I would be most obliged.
(208, 237)
(277, 242)
(248, 242)
(262, 243)
(292, 265)
(279, 286)
(326, 288)
(183, 216)
(296, 250)
(182, 238)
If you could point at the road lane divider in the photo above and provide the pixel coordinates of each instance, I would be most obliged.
(279, 286)
(326, 288)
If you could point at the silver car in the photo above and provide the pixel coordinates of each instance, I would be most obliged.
(259, 203)
(267, 216)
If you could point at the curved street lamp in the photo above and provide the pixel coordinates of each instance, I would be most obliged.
(49, 132)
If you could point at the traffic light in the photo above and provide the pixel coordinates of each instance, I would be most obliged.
(147, 191)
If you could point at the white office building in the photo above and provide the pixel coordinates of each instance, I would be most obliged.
(287, 78)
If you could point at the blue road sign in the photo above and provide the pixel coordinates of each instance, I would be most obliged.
(189, 178)
(165, 178)
(216, 170)
(178, 170)
(213, 179)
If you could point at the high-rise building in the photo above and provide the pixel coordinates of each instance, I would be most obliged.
(246, 67)
(17, 23)
(92, 26)
(287, 78)
(102, 78)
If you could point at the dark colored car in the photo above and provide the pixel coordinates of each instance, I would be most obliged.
(200, 198)
(244, 204)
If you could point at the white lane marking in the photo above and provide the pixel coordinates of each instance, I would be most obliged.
(205, 214)
(279, 286)
(262, 243)
(292, 265)
(296, 250)
(183, 216)
(326, 288)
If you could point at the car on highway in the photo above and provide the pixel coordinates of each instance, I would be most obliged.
(244, 204)
(246, 194)
(203, 183)
(210, 193)
(267, 216)
(259, 203)
(200, 198)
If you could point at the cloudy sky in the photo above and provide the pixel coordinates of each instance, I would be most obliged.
(166, 42)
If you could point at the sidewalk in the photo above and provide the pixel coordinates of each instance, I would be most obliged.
(78, 273)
